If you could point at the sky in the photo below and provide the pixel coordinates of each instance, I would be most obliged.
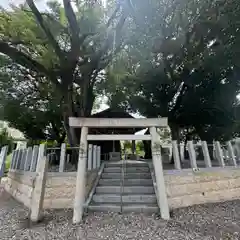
(5, 3)
(40, 3)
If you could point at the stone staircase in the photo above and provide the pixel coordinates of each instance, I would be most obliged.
(135, 192)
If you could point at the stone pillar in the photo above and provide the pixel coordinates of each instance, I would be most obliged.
(206, 155)
(62, 157)
(80, 181)
(192, 154)
(3, 156)
(34, 159)
(90, 157)
(94, 156)
(158, 168)
(176, 158)
(28, 159)
(219, 154)
(98, 156)
(231, 153)
(40, 184)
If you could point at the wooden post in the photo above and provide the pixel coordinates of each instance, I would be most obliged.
(94, 156)
(62, 157)
(40, 184)
(231, 153)
(192, 154)
(219, 154)
(158, 168)
(80, 181)
(176, 158)
(28, 159)
(206, 155)
(90, 156)
(3, 156)
(34, 159)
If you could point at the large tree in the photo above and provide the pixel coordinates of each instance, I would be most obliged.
(65, 46)
(183, 64)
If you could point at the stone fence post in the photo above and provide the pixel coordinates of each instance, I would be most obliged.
(219, 154)
(62, 157)
(94, 156)
(231, 153)
(206, 155)
(192, 154)
(40, 184)
(176, 157)
(34, 158)
(3, 156)
(90, 157)
(98, 156)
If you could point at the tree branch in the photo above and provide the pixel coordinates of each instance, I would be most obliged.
(76, 41)
(22, 58)
(47, 31)
(25, 61)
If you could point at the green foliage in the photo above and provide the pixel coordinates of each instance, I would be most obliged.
(61, 53)
(184, 65)
(6, 140)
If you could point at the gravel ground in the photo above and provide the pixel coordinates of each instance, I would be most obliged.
(211, 221)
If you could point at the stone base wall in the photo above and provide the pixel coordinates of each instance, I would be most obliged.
(60, 189)
(187, 188)
(20, 185)
(59, 192)
(184, 187)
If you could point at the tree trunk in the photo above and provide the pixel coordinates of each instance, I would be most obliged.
(80, 107)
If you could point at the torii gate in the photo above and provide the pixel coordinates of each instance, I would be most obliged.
(86, 123)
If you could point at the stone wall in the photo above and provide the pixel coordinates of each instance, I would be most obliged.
(60, 189)
(20, 185)
(59, 192)
(186, 188)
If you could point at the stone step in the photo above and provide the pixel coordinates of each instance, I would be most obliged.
(126, 175)
(127, 208)
(128, 170)
(133, 198)
(118, 190)
(128, 165)
(127, 182)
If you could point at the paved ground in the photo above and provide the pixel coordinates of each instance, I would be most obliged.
(212, 221)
